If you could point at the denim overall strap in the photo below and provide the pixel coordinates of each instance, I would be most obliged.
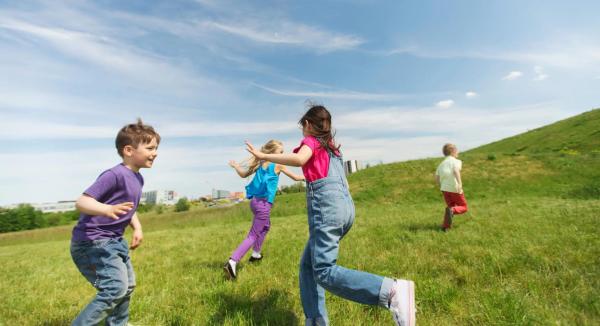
(335, 174)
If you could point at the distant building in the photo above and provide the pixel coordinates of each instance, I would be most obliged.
(55, 207)
(237, 195)
(220, 194)
(352, 166)
(155, 197)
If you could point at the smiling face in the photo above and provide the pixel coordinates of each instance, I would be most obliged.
(141, 157)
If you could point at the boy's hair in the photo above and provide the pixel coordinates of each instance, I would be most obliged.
(272, 146)
(448, 149)
(135, 134)
(320, 122)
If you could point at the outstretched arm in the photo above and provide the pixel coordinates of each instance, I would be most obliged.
(292, 159)
(238, 168)
(293, 176)
(90, 206)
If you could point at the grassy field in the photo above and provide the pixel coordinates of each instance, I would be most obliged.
(527, 253)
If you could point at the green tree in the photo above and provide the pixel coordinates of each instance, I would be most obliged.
(182, 205)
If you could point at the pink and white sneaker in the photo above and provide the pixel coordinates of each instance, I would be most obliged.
(402, 303)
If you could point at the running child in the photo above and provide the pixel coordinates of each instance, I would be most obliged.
(330, 217)
(107, 207)
(449, 180)
(261, 190)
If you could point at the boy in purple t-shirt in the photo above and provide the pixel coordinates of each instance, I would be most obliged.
(107, 207)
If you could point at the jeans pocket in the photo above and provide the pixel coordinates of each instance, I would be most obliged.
(330, 209)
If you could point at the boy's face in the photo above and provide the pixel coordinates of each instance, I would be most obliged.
(455, 152)
(143, 156)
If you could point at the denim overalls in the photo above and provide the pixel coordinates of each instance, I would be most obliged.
(330, 217)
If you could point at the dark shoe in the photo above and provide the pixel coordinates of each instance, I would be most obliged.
(254, 259)
(230, 271)
(450, 215)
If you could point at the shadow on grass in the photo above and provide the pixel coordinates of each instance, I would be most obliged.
(268, 309)
(219, 266)
(418, 227)
(216, 264)
(57, 321)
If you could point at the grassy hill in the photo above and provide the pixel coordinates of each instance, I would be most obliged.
(526, 253)
(580, 133)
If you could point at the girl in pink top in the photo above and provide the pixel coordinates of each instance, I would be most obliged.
(330, 217)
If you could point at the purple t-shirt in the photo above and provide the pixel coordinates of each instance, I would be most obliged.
(114, 186)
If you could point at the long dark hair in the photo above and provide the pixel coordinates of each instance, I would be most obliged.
(320, 121)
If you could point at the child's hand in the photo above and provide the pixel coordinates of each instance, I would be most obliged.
(233, 164)
(258, 154)
(136, 239)
(113, 211)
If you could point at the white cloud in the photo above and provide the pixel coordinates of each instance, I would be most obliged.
(445, 104)
(539, 74)
(513, 75)
(471, 94)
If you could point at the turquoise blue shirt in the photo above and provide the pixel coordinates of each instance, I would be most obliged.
(264, 183)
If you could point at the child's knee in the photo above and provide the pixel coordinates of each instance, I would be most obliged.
(323, 275)
(117, 290)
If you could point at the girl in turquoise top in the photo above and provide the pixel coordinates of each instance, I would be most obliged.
(261, 191)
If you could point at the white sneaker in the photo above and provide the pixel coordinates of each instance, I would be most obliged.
(402, 303)
(230, 269)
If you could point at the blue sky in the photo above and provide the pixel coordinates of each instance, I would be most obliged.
(400, 78)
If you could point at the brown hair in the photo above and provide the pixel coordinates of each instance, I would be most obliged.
(134, 134)
(272, 146)
(448, 149)
(320, 121)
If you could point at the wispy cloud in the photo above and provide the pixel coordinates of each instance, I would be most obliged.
(12, 128)
(513, 75)
(346, 95)
(445, 104)
(431, 120)
(579, 53)
(288, 33)
(111, 54)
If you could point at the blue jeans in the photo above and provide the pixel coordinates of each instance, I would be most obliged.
(330, 217)
(105, 263)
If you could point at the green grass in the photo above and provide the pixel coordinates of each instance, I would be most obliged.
(527, 253)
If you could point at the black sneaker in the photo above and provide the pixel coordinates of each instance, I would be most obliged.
(255, 259)
(229, 271)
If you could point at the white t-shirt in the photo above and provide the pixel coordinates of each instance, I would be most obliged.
(445, 171)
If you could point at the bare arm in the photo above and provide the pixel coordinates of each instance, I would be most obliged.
(91, 206)
(240, 171)
(290, 174)
(458, 179)
(292, 159)
(138, 235)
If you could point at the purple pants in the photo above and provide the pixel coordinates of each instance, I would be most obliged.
(260, 226)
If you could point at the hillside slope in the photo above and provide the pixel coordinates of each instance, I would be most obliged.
(580, 133)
